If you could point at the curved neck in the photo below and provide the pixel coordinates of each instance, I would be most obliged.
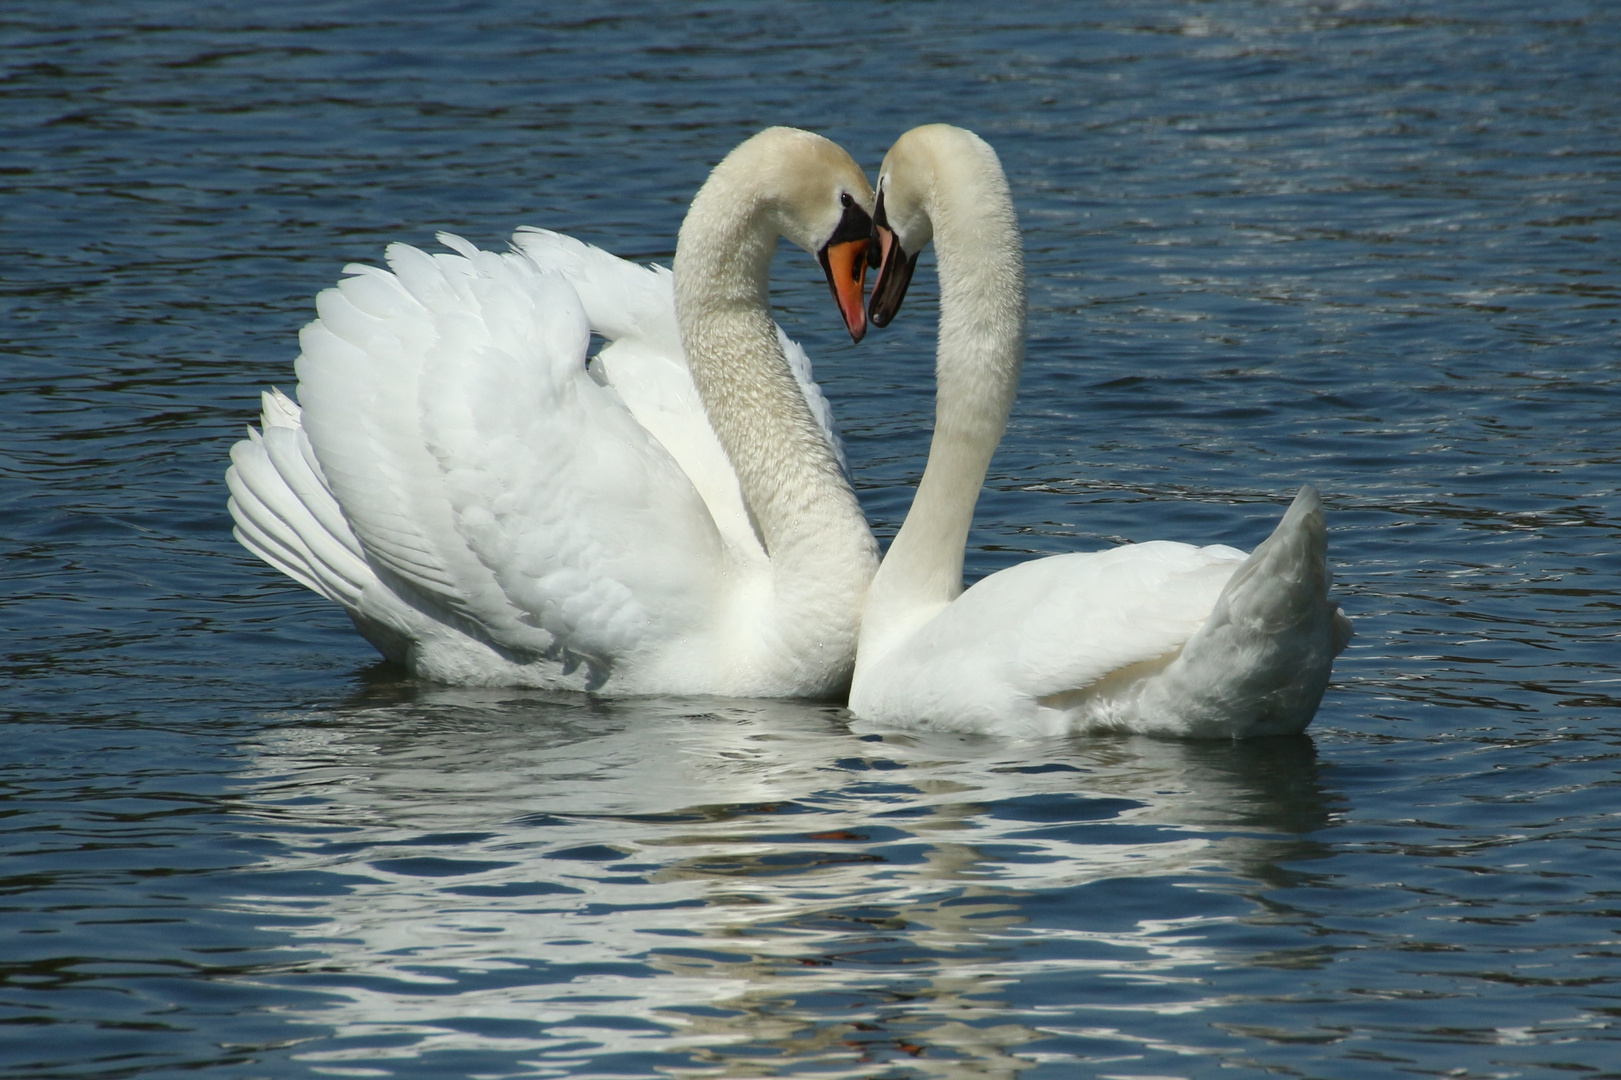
(807, 516)
(977, 363)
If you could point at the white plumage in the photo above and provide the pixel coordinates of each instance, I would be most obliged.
(492, 508)
(1159, 638)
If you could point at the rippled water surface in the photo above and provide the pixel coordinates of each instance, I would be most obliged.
(1371, 245)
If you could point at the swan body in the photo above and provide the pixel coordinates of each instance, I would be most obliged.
(1157, 638)
(492, 506)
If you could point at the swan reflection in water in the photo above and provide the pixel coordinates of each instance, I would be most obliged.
(730, 882)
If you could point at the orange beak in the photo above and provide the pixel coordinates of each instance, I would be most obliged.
(846, 266)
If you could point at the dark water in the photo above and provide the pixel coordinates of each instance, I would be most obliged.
(1370, 245)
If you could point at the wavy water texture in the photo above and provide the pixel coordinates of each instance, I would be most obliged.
(1364, 244)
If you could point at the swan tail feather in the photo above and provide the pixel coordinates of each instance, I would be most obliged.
(1260, 663)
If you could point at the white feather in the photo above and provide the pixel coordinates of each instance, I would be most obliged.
(1159, 638)
(492, 505)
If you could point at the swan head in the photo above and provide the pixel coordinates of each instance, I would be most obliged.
(934, 172)
(820, 200)
(844, 259)
(808, 190)
(901, 224)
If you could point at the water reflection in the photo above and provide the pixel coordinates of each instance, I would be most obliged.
(732, 882)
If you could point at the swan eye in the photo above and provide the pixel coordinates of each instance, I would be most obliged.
(845, 200)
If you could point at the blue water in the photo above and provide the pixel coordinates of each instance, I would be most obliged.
(1371, 245)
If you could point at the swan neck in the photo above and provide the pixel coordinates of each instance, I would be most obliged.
(977, 362)
(790, 478)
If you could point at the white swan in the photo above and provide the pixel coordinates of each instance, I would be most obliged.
(1159, 638)
(490, 507)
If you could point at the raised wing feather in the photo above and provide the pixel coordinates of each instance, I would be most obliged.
(284, 512)
(634, 308)
(621, 299)
(478, 462)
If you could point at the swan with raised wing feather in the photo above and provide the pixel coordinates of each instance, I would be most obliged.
(1158, 638)
(492, 505)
